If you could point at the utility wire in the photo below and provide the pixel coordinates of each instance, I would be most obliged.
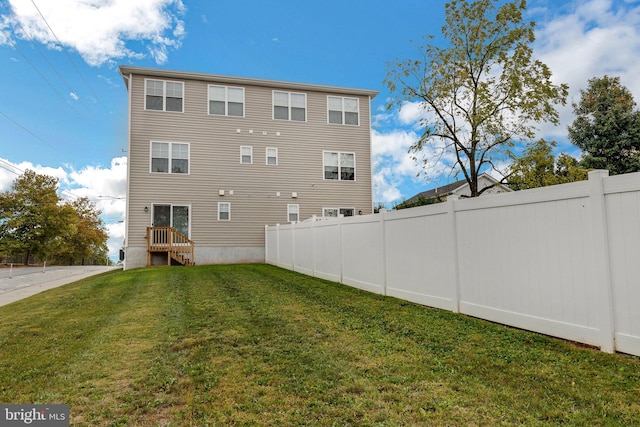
(35, 45)
(15, 45)
(27, 130)
(6, 168)
(65, 51)
(67, 192)
(10, 165)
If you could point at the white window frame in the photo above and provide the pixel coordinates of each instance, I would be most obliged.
(339, 153)
(338, 212)
(226, 100)
(289, 105)
(243, 148)
(170, 157)
(267, 156)
(227, 211)
(293, 209)
(330, 212)
(343, 110)
(164, 95)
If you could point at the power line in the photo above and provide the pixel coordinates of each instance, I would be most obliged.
(27, 130)
(6, 168)
(62, 191)
(11, 165)
(64, 50)
(14, 45)
(24, 31)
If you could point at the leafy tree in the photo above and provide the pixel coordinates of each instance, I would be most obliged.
(481, 91)
(538, 167)
(31, 219)
(87, 235)
(569, 169)
(607, 128)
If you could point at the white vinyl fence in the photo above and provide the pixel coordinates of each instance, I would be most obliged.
(563, 260)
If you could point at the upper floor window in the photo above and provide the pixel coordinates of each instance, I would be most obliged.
(169, 157)
(163, 95)
(246, 155)
(339, 166)
(226, 101)
(272, 156)
(289, 106)
(343, 110)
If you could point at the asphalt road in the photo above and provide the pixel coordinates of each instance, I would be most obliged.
(21, 282)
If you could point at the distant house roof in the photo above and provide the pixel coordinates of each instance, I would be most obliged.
(460, 188)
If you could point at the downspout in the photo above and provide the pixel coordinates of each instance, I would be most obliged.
(129, 80)
(371, 160)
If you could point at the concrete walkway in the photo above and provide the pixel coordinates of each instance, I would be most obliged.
(21, 282)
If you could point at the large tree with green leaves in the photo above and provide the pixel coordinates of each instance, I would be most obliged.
(34, 221)
(31, 219)
(539, 167)
(480, 92)
(607, 126)
(87, 235)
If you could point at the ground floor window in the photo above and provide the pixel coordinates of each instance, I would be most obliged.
(293, 213)
(334, 212)
(224, 211)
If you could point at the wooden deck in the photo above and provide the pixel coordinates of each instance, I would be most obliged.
(177, 246)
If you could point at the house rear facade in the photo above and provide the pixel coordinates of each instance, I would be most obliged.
(213, 159)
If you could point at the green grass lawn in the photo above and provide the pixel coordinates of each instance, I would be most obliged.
(258, 345)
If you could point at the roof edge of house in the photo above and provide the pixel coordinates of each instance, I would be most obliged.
(156, 72)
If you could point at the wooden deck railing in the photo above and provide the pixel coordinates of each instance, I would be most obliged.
(177, 246)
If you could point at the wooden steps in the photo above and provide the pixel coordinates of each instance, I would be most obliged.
(178, 247)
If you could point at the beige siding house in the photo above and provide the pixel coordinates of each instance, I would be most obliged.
(213, 159)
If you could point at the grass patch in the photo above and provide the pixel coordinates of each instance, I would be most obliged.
(258, 345)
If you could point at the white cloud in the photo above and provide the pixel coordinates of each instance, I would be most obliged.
(392, 163)
(591, 39)
(100, 29)
(105, 187)
(10, 171)
(410, 113)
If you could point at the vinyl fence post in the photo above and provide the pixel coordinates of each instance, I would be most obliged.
(451, 201)
(266, 244)
(340, 218)
(601, 260)
(278, 261)
(313, 242)
(383, 222)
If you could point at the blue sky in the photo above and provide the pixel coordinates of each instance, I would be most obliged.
(63, 109)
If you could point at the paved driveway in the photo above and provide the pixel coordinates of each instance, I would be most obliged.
(21, 282)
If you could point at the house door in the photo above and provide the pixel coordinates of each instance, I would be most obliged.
(161, 216)
(176, 216)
